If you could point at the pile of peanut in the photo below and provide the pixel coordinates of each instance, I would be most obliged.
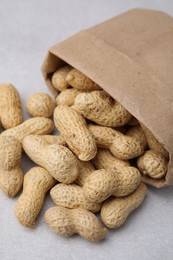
(87, 168)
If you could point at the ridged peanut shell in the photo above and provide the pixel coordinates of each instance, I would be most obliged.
(73, 128)
(78, 80)
(72, 196)
(152, 164)
(37, 182)
(128, 179)
(100, 185)
(115, 211)
(11, 173)
(10, 106)
(36, 125)
(67, 222)
(101, 108)
(123, 146)
(59, 78)
(58, 160)
(40, 104)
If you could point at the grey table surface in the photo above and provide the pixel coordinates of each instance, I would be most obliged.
(27, 30)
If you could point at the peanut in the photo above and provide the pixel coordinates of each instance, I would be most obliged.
(67, 97)
(37, 182)
(99, 107)
(105, 160)
(78, 80)
(67, 222)
(74, 129)
(40, 104)
(58, 160)
(59, 78)
(36, 125)
(152, 164)
(122, 146)
(101, 184)
(115, 211)
(153, 143)
(10, 106)
(72, 196)
(11, 174)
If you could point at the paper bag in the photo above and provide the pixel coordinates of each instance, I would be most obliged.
(131, 57)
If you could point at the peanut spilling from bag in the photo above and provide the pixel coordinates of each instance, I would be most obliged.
(99, 160)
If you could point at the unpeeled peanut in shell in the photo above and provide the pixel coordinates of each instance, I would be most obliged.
(122, 146)
(40, 104)
(74, 129)
(72, 196)
(11, 174)
(153, 143)
(67, 222)
(10, 106)
(78, 80)
(58, 160)
(59, 78)
(101, 108)
(36, 125)
(101, 184)
(37, 182)
(67, 97)
(105, 160)
(152, 164)
(115, 211)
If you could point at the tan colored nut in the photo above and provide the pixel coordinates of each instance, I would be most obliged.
(115, 211)
(36, 125)
(105, 160)
(99, 107)
(75, 131)
(37, 182)
(153, 143)
(11, 174)
(122, 146)
(40, 104)
(67, 97)
(78, 80)
(152, 164)
(10, 106)
(59, 78)
(58, 160)
(128, 179)
(101, 184)
(85, 169)
(67, 222)
(72, 196)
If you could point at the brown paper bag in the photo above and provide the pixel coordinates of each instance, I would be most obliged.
(131, 57)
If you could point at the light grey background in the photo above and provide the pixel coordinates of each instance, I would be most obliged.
(27, 30)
